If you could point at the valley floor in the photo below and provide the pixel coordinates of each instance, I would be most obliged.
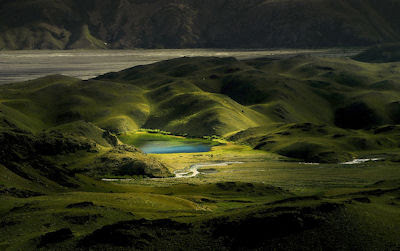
(304, 156)
(85, 64)
(263, 200)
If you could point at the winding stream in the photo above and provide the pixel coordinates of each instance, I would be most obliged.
(194, 169)
(360, 161)
(190, 172)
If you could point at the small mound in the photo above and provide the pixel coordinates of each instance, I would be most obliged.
(312, 152)
(356, 116)
(82, 219)
(125, 161)
(362, 199)
(86, 131)
(118, 124)
(55, 237)
(386, 85)
(260, 228)
(240, 187)
(18, 193)
(394, 111)
(386, 183)
(380, 54)
(141, 234)
(84, 204)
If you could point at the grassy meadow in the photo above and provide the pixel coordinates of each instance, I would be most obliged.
(279, 174)
(266, 185)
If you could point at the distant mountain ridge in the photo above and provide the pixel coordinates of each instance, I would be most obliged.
(122, 24)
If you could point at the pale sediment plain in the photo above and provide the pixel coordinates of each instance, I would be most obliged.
(25, 65)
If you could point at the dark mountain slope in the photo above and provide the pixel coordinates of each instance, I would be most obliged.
(41, 24)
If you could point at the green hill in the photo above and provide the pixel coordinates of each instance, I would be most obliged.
(213, 96)
(60, 136)
(385, 53)
(222, 96)
(48, 124)
(263, 93)
(71, 24)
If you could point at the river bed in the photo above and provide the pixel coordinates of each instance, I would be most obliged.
(190, 172)
(193, 170)
(85, 64)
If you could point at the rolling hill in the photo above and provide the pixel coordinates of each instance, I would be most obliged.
(47, 124)
(72, 24)
(384, 53)
(314, 109)
(301, 89)
(59, 137)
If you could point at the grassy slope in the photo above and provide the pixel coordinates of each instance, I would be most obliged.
(56, 122)
(301, 89)
(212, 96)
(291, 106)
(56, 100)
(221, 214)
(380, 54)
(186, 98)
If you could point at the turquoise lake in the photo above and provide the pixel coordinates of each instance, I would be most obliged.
(160, 147)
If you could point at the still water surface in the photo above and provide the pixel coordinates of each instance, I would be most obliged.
(159, 147)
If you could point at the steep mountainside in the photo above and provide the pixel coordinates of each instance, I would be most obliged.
(69, 24)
